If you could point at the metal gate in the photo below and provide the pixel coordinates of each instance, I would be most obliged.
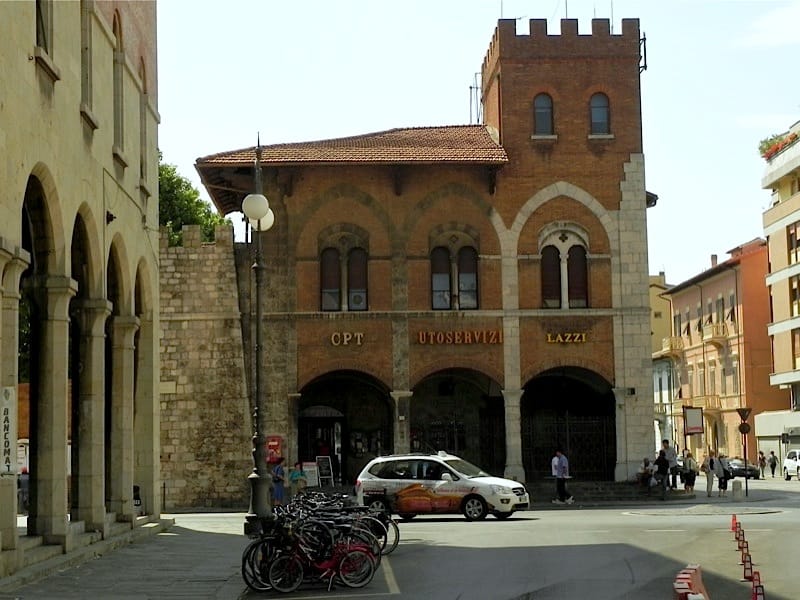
(589, 441)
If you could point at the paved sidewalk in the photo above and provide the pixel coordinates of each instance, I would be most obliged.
(181, 563)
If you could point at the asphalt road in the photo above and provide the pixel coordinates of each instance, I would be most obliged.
(579, 552)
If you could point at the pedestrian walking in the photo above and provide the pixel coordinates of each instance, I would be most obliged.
(722, 480)
(689, 473)
(762, 463)
(711, 467)
(562, 474)
(672, 458)
(278, 482)
(662, 472)
(773, 461)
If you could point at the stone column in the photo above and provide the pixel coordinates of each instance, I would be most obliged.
(147, 411)
(514, 467)
(564, 280)
(120, 490)
(91, 398)
(622, 467)
(48, 512)
(11, 268)
(402, 421)
(292, 435)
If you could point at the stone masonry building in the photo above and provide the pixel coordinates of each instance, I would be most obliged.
(79, 275)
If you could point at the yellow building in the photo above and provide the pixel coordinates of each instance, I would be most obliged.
(79, 267)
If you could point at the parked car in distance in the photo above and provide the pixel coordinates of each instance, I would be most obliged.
(791, 464)
(412, 484)
(738, 469)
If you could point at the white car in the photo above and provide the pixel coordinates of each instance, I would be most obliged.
(791, 464)
(412, 484)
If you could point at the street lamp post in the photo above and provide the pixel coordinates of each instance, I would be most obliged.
(256, 208)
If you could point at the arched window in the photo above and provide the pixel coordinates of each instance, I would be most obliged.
(543, 115)
(440, 278)
(551, 277)
(467, 278)
(599, 115)
(330, 280)
(357, 279)
(577, 277)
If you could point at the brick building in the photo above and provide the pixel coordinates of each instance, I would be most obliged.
(481, 289)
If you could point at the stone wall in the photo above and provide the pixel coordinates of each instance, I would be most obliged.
(205, 415)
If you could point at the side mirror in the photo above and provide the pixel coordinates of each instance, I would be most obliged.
(447, 477)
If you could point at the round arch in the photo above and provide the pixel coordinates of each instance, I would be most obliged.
(460, 410)
(571, 408)
(92, 254)
(348, 415)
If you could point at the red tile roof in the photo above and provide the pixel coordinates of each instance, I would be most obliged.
(460, 144)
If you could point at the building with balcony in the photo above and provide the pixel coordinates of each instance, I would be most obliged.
(782, 230)
(721, 350)
(78, 275)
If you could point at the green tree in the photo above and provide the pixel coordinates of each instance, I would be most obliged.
(180, 204)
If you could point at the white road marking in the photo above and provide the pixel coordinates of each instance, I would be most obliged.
(391, 582)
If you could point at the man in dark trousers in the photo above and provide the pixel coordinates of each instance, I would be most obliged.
(562, 474)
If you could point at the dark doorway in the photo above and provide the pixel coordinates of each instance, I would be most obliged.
(573, 409)
(348, 414)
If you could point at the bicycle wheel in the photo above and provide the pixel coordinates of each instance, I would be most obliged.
(286, 573)
(255, 564)
(361, 539)
(376, 527)
(357, 568)
(392, 536)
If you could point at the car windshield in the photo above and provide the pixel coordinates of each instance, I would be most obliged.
(466, 468)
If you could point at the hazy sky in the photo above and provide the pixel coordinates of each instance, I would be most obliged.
(722, 75)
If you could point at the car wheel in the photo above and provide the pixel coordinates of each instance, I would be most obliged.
(502, 515)
(786, 475)
(474, 508)
(378, 505)
(407, 516)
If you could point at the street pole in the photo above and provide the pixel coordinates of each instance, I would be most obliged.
(256, 209)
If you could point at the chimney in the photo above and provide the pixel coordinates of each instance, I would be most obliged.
(713, 260)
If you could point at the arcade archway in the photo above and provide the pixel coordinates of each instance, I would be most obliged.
(460, 411)
(347, 415)
(571, 408)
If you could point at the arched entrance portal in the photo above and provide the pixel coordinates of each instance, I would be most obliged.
(460, 411)
(348, 415)
(571, 408)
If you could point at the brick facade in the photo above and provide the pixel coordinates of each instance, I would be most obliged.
(494, 396)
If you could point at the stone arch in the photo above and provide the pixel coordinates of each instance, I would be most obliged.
(453, 362)
(45, 220)
(118, 261)
(337, 192)
(344, 237)
(85, 220)
(443, 192)
(324, 368)
(573, 233)
(561, 188)
(453, 236)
